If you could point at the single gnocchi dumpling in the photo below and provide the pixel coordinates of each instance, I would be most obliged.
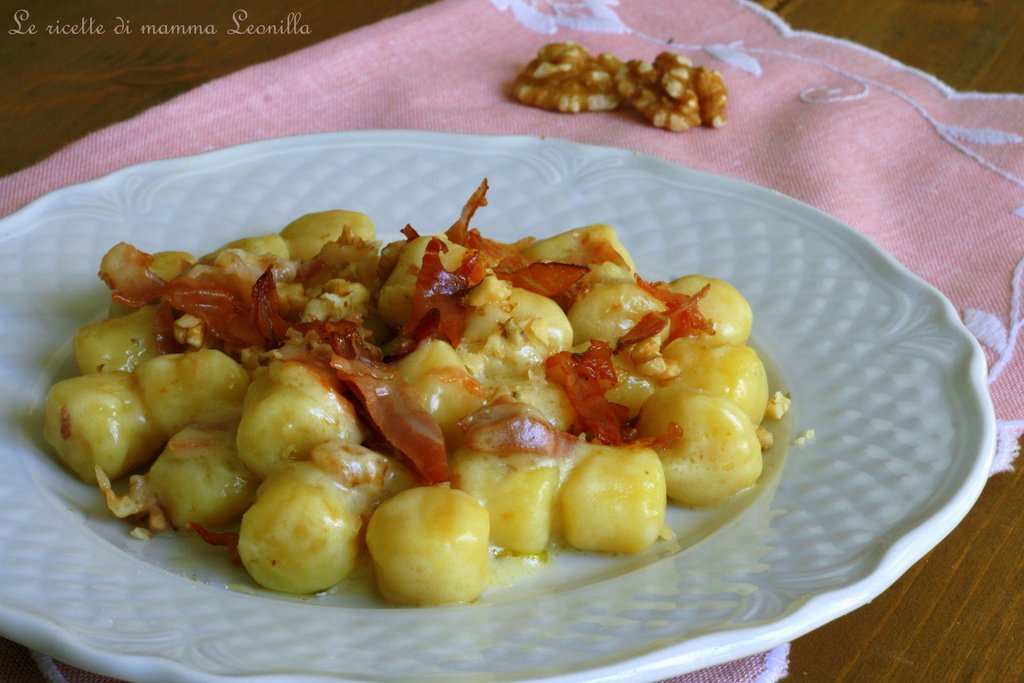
(200, 387)
(170, 264)
(429, 546)
(120, 343)
(727, 309)
(613, 499)
(446, 389)
(596, 246)
(718, 454)
(518, 491)
(306, 235)
(302, 533)
(735, 372)
(608, 310)
(536, 391)
(367, 476)
(510, 331)
(199, 478)
(101, 420)
(166, 265)
(246, 266)
(290, 408)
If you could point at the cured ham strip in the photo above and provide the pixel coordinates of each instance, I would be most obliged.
(266, 310)
(224, 539)
(460, 232)
(682, 315)
(507, 261)
(546, 279)
(390, 404)
(237, 318)
(163, 329)
(437, 298)
(602, 252)
(498, 255)
(392, 407)
(224, 312)
(508, 427)
(586, 377)
(648, 326)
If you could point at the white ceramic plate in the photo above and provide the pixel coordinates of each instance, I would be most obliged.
(876, 360)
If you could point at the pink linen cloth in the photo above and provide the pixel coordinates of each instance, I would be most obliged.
(934, 176)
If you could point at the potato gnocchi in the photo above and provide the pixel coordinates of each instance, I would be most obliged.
(316, 401)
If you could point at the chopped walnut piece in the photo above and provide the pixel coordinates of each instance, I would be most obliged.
(190, 331)
(804, 438)
(291, 296)
(648, 361)
(139, 502)
(565, 77)
(766, 438)
(672, 93)
(336, 300)
(778, 405)
(712, 95)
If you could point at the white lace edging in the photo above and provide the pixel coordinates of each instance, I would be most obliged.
(1001, 339)
(992, 332)
(47, 667)
(776, 665)
(1008, 434)
(547, 16)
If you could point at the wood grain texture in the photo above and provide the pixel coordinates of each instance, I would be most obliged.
(58, 87)
(971, 45)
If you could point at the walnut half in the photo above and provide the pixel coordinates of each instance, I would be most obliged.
(565, 77)
(672, 93)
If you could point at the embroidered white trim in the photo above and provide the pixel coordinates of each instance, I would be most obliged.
(993, 333)
(776, 665)
(546, 16)
(47, 667)
(1008, 434)
(834, 94)
(980, 136)
(734, 55)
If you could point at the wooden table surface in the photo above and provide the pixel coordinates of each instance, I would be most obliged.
(957, 615)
